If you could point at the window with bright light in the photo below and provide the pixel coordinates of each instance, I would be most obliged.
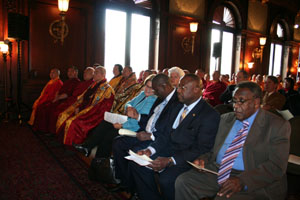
(227, 45)
(115, 40)
(275, 59)
(279, 31)
(223, 17)
(140, 35)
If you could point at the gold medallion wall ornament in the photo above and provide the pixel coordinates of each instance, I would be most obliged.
(59, 30)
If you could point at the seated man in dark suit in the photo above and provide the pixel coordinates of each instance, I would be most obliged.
(191, 131)
(250, 154)
(151, 126)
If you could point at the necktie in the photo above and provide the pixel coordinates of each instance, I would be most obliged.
(183, 115)
(231, 153)
(157, 114)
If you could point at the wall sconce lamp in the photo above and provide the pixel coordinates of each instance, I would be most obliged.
(297, 21)
(188, 43)
(58, 28)
(257, 54)
(4, 50)
(250, 65)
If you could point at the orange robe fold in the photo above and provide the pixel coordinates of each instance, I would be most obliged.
(47, 95)
(114, 82)
(42, 118)
(92, 105)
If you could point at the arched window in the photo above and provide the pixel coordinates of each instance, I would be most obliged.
(276, 49)
(222, 40)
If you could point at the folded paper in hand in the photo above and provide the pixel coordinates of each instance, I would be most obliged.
(202, 168)
(294, 159)
(286, 114)
(127, 132)
(115, 118)
(141, 160)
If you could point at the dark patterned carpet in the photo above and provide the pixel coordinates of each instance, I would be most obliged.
(36, 166)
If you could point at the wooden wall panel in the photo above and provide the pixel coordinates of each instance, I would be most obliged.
(178, 29)
(44, 52)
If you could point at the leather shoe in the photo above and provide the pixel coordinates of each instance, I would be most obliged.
(82, 149)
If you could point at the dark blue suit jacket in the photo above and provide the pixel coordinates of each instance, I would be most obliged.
(194, 136)
(163, 119)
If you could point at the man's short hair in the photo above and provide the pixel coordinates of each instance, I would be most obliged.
(195, 78)
(273, 79)
(291, 81)
(245, 74)
(74, 68)
(253, 87)
(161, 79)
(130, 68)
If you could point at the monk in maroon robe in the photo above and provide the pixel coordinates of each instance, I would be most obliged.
(47, 95)
(81, 87)
(87, 112)
(42, 114)
(214, 90)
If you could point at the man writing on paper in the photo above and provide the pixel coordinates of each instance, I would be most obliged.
(191, 131)
(250, 154)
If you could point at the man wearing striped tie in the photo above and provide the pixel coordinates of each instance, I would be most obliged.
(249, 157)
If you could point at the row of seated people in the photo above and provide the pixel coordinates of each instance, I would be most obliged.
(186, 147)
(248, 148)
(73, 108)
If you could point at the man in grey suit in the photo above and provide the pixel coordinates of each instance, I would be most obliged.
(256, 166)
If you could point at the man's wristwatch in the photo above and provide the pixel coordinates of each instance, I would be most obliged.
(170, 162)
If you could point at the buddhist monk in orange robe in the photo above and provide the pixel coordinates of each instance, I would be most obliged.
(48, 94)
(117, 71)
(87, 112)
(64, 104)
(42, 114)
(126, 90)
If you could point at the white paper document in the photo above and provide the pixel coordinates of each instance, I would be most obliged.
(141, 160)
(202, 168)
(115, 118)
(294, 159)
(286, 114)
(127, 132)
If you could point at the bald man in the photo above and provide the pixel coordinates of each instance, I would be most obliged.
(48, 94)
(42, 114)
(62, 105)
(87, 112)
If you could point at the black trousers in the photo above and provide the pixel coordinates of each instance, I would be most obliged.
(121, 146)
(146, 180)
(102, 136)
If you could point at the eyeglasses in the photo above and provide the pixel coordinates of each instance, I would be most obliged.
(241, 101)
(150, 88)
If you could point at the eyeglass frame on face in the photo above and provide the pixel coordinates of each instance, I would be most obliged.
(150, 88)
(241, 101)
